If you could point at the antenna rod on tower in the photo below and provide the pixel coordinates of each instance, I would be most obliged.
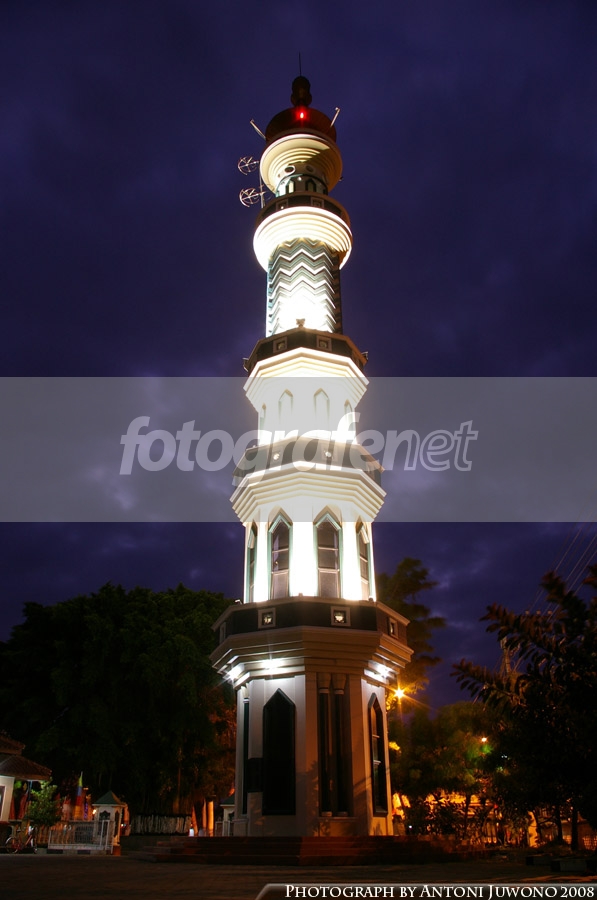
(257, 129)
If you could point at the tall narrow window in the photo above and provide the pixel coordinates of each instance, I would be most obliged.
(363, 547)
(328, 558)
(334, 750)
(325, 773)
(251, 563)
(349, 422)
(322, 410)
(279, 775)
(245, 755)
(285, 411)
(280, 559)
(342, 754)
(378, 768)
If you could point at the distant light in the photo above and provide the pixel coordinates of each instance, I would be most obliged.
(399, 694)
(483, 740)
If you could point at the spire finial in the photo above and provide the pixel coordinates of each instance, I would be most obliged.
(301, 93)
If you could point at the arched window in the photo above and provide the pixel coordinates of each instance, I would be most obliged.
(285, 410)
(279, 773)
(378, 767)
(322, 410)
(251, 562)
(328, 557)
(348, 420)
(364, 562)
(279, 559)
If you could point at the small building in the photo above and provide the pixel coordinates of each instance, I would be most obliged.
(112, 813)
(16, 769)
(227, 807)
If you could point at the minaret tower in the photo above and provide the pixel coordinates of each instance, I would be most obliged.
(310, 652)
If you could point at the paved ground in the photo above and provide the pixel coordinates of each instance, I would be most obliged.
(42, 877)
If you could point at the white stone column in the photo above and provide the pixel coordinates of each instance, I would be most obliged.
(349, 564)
(303, 565)
(261, 564)
(372, 588)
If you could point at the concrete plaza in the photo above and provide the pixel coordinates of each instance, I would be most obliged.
(42, 877)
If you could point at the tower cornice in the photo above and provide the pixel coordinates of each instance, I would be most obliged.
(290, 223)
(293, 149)
(303, 493)
(304, 638)
(302, 359)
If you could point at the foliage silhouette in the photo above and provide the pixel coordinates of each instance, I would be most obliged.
(401, 592)
(120, 685)
(546, 699)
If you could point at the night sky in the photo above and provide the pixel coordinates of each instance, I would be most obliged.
(469, 137)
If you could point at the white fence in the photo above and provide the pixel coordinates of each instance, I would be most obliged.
(158, 824)
(82, 837)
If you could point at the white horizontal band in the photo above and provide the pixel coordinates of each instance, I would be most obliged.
(298, 149)
(301, 222)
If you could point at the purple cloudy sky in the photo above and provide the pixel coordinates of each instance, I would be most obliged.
(469, 138)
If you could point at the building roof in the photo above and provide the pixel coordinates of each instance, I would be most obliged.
(24, 769)
(108, 799)
(8, 746)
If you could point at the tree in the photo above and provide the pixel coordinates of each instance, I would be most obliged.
(547, 701)
(401, 592)
(120, 685)
(440, 758)
(44, 808)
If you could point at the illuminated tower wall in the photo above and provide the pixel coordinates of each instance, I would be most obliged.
(310, 652)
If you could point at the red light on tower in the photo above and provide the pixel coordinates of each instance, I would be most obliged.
(301, 113)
